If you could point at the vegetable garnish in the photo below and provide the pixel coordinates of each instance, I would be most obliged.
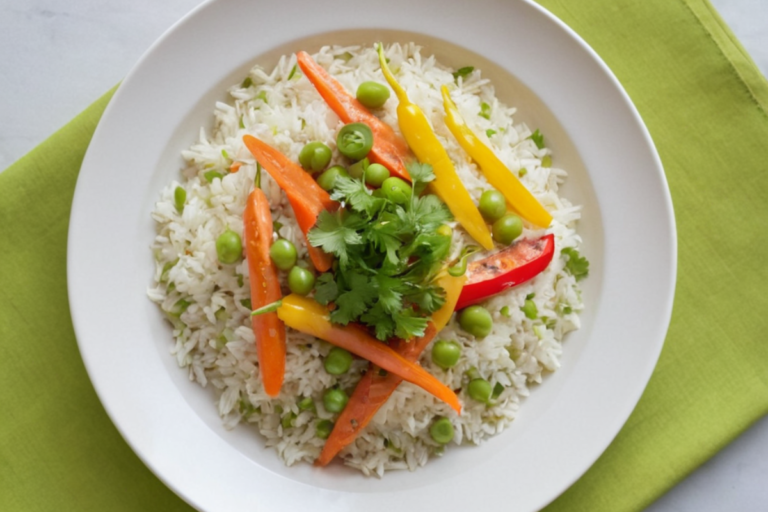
(265, 289)
(428, 149)
(497, 174)
(374, 389)
(520, 262)
(388, 256)
(354, 140)
(389, 149)
(307, 316)
(576, 265)
(307, 198)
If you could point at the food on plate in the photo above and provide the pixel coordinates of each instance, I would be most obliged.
(367, 258)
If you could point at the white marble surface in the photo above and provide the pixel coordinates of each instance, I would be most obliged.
(58, 57)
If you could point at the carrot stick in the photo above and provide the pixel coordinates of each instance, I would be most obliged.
(389, 149)
(374, 389)
(265, 289)
(305, 195)
(306, 315)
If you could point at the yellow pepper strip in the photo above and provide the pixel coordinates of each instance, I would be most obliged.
(452, 286)
(497, 174)
(427, 148)
(307, 316)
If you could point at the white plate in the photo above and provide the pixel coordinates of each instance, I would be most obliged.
(595, 132)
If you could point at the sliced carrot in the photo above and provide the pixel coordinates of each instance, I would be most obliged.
(375, 387)
(265, 289)
(305, 195)
(389, 149)
(235, 167)
(306, 315)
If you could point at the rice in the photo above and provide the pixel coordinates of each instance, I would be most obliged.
(208, 303)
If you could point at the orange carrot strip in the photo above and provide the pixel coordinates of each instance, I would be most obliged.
(235, 167)
(306, 315)
(265, 289)
(374, 389)
(305, 195)
(389, 149)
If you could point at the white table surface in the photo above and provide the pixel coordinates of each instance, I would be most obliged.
(57, 57)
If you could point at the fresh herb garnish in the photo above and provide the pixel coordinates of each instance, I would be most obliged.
(463, 72)
(537, 139)
(576, 265)
(388, 256)
(485, 110)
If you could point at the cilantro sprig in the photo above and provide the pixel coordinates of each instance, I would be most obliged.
(387, 256)
(576, 265)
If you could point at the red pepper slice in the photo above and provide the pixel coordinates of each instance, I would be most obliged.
(516, 264)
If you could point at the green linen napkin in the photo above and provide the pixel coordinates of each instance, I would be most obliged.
(705, 105)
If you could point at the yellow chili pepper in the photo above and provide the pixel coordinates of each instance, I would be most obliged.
(427, 148)
(497, 174)
(306, 315)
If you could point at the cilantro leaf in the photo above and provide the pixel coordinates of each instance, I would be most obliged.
(485, 110)
(576, 265)
(357, 196)
(463, 72)
(390, 293)
(336, 234)
(421, 175)
(326, 289)
(353, 302)
(430, 212)
(381, 320)
(537, 139)
(408, 325)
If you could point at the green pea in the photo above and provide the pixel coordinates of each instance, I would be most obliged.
(335, 400)
(323, 428)
(287, 420)
(441, 431)
(375, 175)
(492, 205)
(179, 198)
(337, 361)
(283, 254)
(229, 247)
(530, 310)
(306, 404)
(446, 354)
(300, 280)
(397, 190)
(476, 320)
(372, 94)
(507, 228)
(444, 230)
(357, 169)
(354, 140)
(327, 180)
(212, 175)
(315, 156)
(480, 390)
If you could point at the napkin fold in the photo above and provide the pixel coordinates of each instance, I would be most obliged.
(704, 103)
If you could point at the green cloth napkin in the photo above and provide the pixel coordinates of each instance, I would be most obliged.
(705, 105)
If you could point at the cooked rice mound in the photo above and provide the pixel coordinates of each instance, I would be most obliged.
(208, 303)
